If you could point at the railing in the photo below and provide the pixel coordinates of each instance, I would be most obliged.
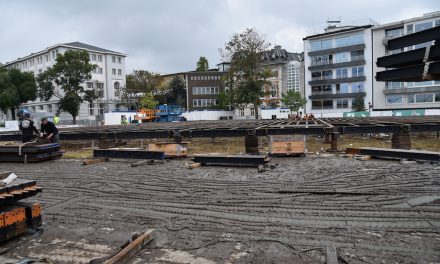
(321, 78)
(357, 58)
(321, 92)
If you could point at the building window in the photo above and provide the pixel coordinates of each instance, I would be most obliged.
(93, 57)
(273, 91)
(40, 71)
(119, 72)
(119, 60)
(342, 88)
(321, 44)
(99, 70)
(91, 109)
(206, 90)
(421, 98)
(241, 112)
(322, 104)
(90, 85)
(394, 99)
(350, 40)
(252, 111)
(357, 55)
(342, 73)
(113, 59)
(357, 71)
(341, 103)
(394, 33)
(116, 87)
(100, 85)
(204, 102)
(394, 85)
(41, 107)
(114, 71)
(341, 57)
(49, 108)
(358, 87)
(47, 57)
(99, 58)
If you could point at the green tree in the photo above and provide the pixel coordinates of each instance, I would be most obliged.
(202, 64)
(223, 101)
(176, 92)
(16, 88)
(246, 77)
(358, 104)
(71, 70)
(138, 84)
(148, 101)
(294, 100)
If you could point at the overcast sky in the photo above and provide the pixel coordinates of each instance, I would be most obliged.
(168, 36)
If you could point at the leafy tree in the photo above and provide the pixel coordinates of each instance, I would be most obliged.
(202, 64)
(138, 84)
(71, 70)
(148, 101)
(16, 88)
(358, 104)
(247, 78)
(273, 103)
(223, 101)
(294, 100)
(176, 92)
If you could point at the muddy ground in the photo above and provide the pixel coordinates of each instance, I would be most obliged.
(372, 211)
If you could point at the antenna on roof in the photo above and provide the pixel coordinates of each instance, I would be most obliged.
(333, 22)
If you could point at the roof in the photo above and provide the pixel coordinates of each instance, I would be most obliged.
(77, 45)
(335, 31)
(81, 45)
(277, 55)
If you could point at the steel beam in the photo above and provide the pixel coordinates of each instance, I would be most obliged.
(414, 39)
(236, 160)
(128, 154)
(397, 153)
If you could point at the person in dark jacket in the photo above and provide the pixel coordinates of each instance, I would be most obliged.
(50, 130)
(27, 128)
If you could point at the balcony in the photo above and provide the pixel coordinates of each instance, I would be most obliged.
(324, 81)
(336, 96)
(355, 61)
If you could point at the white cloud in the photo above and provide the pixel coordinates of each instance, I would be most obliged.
(170, 35)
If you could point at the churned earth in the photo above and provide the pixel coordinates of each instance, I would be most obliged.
(373, 211)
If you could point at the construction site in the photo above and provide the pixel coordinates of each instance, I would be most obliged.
(294, 190)
(276, 202)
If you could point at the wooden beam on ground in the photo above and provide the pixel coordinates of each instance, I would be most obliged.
(131, 249)
(94, 160)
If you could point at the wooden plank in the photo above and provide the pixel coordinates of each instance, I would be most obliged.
(131, 249)
(94, 160)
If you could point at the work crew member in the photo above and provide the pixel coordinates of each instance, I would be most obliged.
(56, 119)
(27, 128)
(50, 130)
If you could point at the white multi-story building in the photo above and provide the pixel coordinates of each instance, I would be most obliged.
(403, 95)
(337, 68)
(108, 76)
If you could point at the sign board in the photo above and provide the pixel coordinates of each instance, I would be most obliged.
(357, 114)
(411, 112)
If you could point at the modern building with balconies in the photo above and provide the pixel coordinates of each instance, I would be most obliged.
(338, 68)
(404, 95)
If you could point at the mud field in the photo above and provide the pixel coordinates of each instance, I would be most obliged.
(372, 211)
